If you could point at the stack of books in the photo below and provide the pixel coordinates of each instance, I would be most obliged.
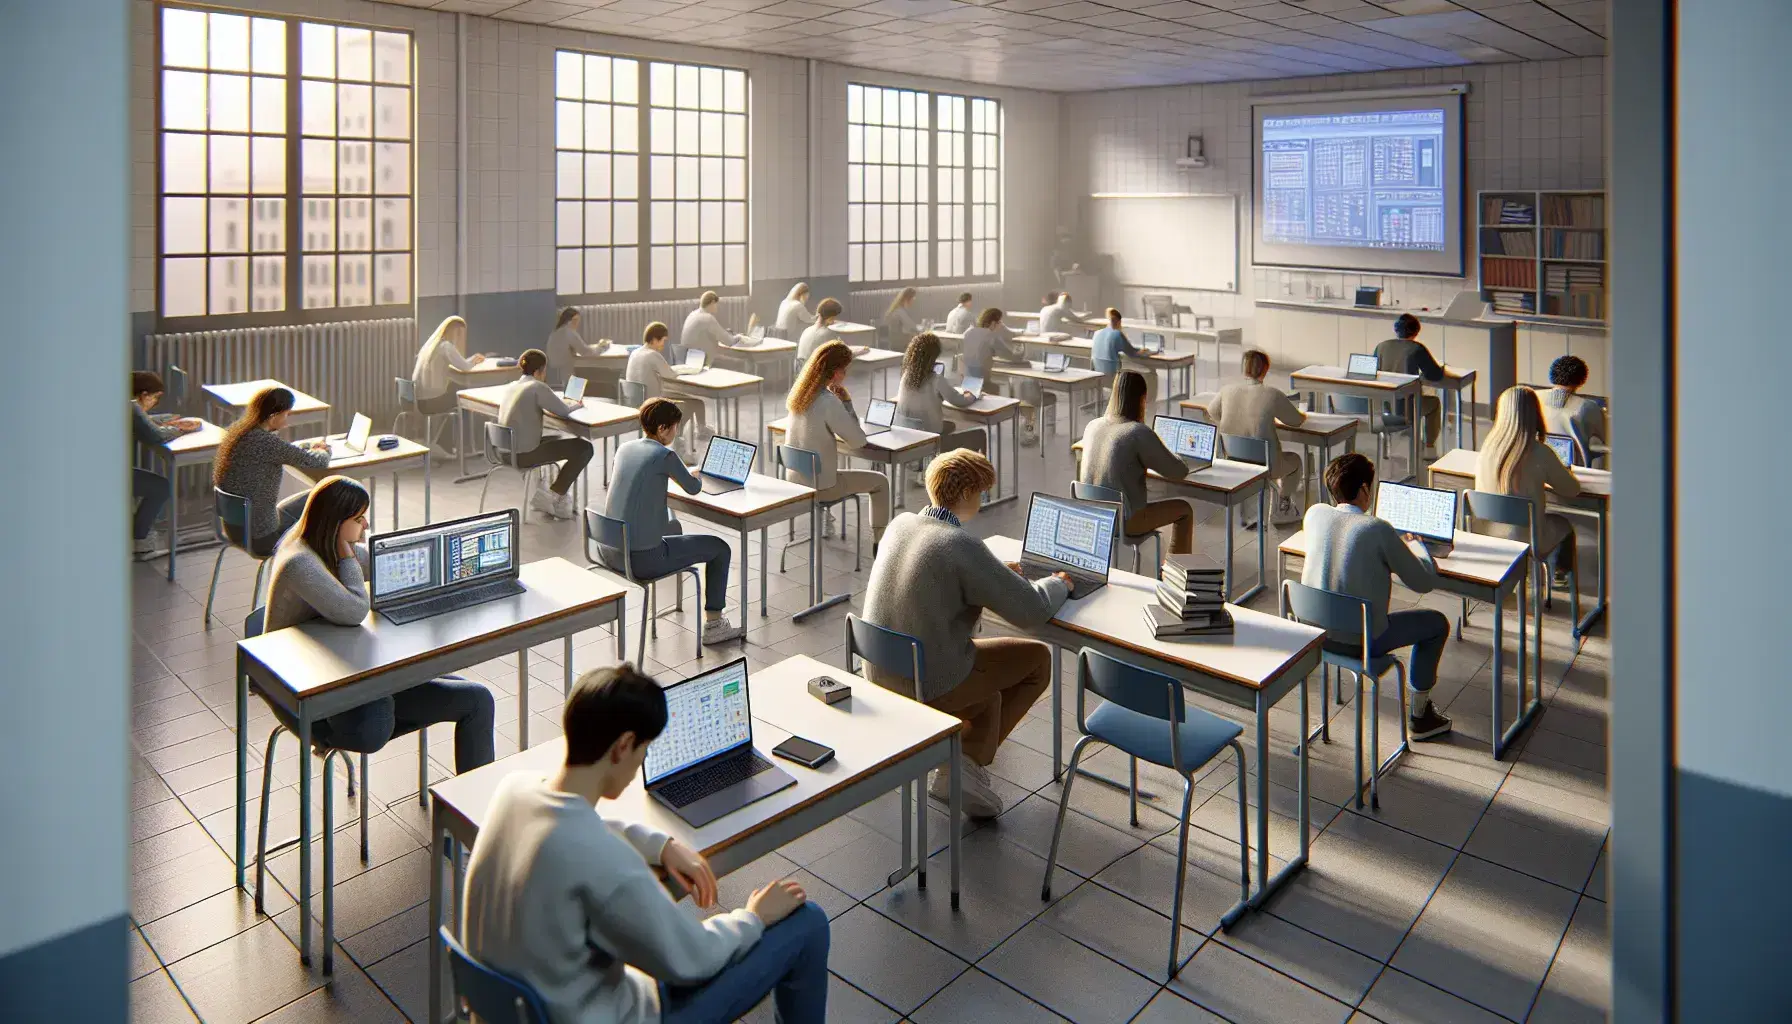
(1191, 601)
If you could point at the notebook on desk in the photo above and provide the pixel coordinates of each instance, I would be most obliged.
(430, 570)
(703, 764)
(1189, 440)
(1427, 513)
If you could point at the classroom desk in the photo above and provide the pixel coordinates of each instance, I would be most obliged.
(596, 421)
(611, 362)
(1386, 387)
(316, 669)
(877, 364)
(882, 741)
(724, 387)
(894, 447)
(1069, 380)
(1595, 497)
(1265, 658)
(764, 502)
(760, 358)
(854, 333)
(1219, 337)
(990, 412)
(198, 448)
(486, 374)
(1480, 569)
(1319, 430)
(367, 467)
(235, 399)
(1455, 382)
(1170, 362)
(1227, 484)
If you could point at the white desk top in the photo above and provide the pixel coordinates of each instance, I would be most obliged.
(317, 656)
(1324, 425)
(593, 412)
(1225, 476)
(1261, 647)
(869, 731)
(849, 327)
(1069, 376)
(206, 438)
(238, 396)
(984, 406)
(765, 347)
(1477, 559)
(761, 494)
(893, 441)
(373, 457)
(876, 358)
(609, 358)
(1337, 375)
(715, 378)
(1462, 462)
(486, 369)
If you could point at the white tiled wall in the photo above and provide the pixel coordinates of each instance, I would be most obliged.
(1534, 125)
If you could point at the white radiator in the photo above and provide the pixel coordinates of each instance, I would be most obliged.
(623, 322)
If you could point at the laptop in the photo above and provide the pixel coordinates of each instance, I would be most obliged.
(751, 338)
(694, 359)
(1363, 366)
(429, 570)
(880, 416)
(1563, 446)
(974, 385)
(939, 367)
(1070, 536)
(1032, 326)
(1426, 512)
(1057, 362)
(1151, 342)
(1189, 440)
(575, 389)
(703, 764)
(726, 464)
(353, 443)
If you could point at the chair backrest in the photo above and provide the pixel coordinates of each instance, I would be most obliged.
(605, 532)
(492, 996)
(407, 391)
(1349, 405)
(177, 388)
(256, 623)
(1158, 308)
(780, 333)
(1203, 323)
(1095, 492)
(1338, 614)
(896, 653)
(1505, 509)
(799, 460)
(631, 393)
(1136, 689)
(1245, 449)
(499, 446)
(231, 510)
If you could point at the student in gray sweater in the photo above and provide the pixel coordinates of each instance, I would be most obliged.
(1351, 552)
(150, 489)
(821, 417)
(921, 392)
(521, 409)
(990, 343)
(251, 461)
(821, 330)
(932, 580)
(568, 900)
(657, 543)
(566, 347)
(1119, 448)
(647, 367)
(1251, 408)
(319, 572)
(1405, 353)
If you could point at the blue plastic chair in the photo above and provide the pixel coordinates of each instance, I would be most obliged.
(1144, 715)
(1341, 614)
(602, 532)
(490, 995)
(807, 465)
(1095, 492)
(233, 511)
(1381, 422)
(631, 393)
(897, 654)
(407, 406)
(500, 453)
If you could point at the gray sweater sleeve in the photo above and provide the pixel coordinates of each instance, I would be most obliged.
(1286, 411)
(1156, 456)
(990, 584)
(950, 395)
(147, 431)
(677, 470)
(840, 419)
(1418, 572)
(268, 446)
(340, 597)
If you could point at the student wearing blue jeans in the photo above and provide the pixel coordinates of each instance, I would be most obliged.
(572, 903)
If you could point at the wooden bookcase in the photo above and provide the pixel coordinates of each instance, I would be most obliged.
(1542, 254)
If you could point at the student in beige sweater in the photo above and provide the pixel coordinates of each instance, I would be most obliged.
(821, 416)
(919, 398)
(1514, 460)
(1250, 408)
(1119, 448)
(647, 367)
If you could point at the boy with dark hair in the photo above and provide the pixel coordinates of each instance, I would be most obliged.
(521, 409)
(1564, 410)
(1352, 552)
(1405, 353)
(568, 901)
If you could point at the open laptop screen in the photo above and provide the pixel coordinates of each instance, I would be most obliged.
(1151, 341)
(881, 412)
(1075, 533)
(972, 384)
(1188, 439)
(1364, 363)
(694, 357)
(729, 459)
(415, 563)
(359, 429)
(1562, 445)
(575, 389)
(1424, 511)
(706, 715)
(1055, 361)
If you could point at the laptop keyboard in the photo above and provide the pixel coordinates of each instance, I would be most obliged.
(714, 779)
(452, 602)
(1033, 572)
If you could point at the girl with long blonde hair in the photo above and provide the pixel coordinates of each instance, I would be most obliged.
(442, 351)
(821, 416)
(1514, 460)
(793, 313)
(899, 319)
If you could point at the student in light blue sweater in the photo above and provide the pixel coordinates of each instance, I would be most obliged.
(657, 543)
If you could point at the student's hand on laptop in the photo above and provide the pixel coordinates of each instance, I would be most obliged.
(186, 425)
(476, 358)
(776, 901)
(1069, 583)
(691, 870)
(967, 393)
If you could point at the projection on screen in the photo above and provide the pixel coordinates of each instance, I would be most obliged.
(1377, 190)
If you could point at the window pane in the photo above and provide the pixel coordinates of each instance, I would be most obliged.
(686, 258)
(268, 113)
(710, 89)
(320, 282)
(855, 263)
(626, 79)
(662, 131)
(569, 175)
(229, 103)
(392, 278)
(569, 75)
(354, 227)
(734, 222)
(855, 184)
(354, 281)
(183, 41)
(597, 125)
(228, 42)
(660, 276)
(392, 225)
(229, 285)
(597, 271)
(317, 56)
(569, 125)
(626, 276)
(627, 136)
(569, 224)
(709, 225)
(392, 109)
(709, 265)
(230, 163)
(597, 78)
(734, 91)
(268, 228)
(628, 223)
(709, 134)
(183, 225)
(569, 271)
(597, 223)
(855, 144)
(392, 168)
(354, 111)
(709, 183)
(597, 176)
(391, 58)
(687, 132)
(183, 163)
(662, 91)
(267, 291)
(354, 58)
(687, 90)
(626, 181)
(183, 287)
(183, 100)
(662, 176)
(267, 168)
(687, 224)
(320, 227)
(317, 108)
(734, 135)
(661, 231)
(354, 167)
(687, 177)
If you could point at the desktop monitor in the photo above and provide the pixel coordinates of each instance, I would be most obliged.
(1188, 439)
(427, 560)
(881, 412)
(706, 715)
(1426, 512)
(1079, 534)
(729, 459)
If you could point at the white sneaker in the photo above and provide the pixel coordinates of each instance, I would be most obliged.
(975, 789)
(149, 545)
(720, 631)
(1287, 512)
(563, 506)
(544, 501)
(1029, 439)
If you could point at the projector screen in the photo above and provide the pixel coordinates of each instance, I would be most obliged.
(1370, 185)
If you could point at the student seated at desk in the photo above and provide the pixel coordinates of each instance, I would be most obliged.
(990, 343)
(899, 320)
(702, 329)
(922, 390)
(962, 318)
(1057, 317)
(988, 682)
(150, 489)
(647, 367)
(1405, 353)
(1250, 408)
(569, 901)
(793, 314)
(566, 347)
(1351, 552)
(1117, 450)
(1564, 410)
(1110, 349)
(821, 414)
(319, 572)
(521, 409)
(443, 351)
(821, 331)
(1514, 460)
(250, 464)
(657, 543)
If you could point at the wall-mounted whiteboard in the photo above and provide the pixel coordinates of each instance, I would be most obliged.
(1171, 241)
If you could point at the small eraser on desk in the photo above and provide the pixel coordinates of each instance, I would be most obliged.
(828, 690)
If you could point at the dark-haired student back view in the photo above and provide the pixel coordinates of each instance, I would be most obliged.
(1405, 353)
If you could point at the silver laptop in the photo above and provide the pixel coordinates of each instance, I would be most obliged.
(726, 465)
(695, 358)
(354, 443)
(1363, 366)
(939, 367)
(703, 765)
(1056, 362)
(1032, 326)
(429, 570)
(1427, 513)
(575, 389)
(1072, 537)
(1563, 446)
(974, 385)
(880, 416)
(1151, 342)
(1189, 440)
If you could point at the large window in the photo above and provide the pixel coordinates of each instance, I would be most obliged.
(923, 186)
(693, 216)
(285, 145)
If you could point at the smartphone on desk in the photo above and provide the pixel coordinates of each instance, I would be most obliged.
(807, 753)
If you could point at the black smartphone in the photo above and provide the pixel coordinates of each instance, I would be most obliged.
(807, 753)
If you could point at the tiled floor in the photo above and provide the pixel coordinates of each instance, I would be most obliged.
(1474, 894)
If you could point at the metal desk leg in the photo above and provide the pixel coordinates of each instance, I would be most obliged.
(1474, 413)
(955, 807)
(1459, 417)
(1057, 713)
(764, 572)
(428, 489)
(439, 846)
(242, 771)
(746, 603)
(1499, 672)
(305, 835)
(1417, 406)
(1262, 546)
(1598, 608)
(522, 699)
(815, 573)
(466, 424)
(174, 535)
(1229, 579)
(921, 831)
(1263, 795)
(566, 688)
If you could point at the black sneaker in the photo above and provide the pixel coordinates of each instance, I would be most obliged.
(1429, 725)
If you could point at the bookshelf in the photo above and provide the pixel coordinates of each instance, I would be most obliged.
(1542, 254)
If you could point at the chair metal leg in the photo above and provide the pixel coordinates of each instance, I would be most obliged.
(1132, 790)
(1188, 797)
(697, 584)
(423, 767)
(646, 617)
(212, 591)
(1375, 742)
(329, 867)
(1244, 829)
(261, 840)
(858, 535)
(366, 798)
(485, 484)
(1051, 859)
(256, 596)
(1359, 739)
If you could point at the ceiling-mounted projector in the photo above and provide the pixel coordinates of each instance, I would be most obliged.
(1192, 157)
